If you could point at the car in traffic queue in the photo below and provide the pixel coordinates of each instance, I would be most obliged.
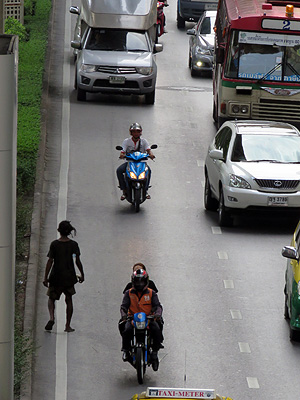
(292, 284)
(201, 44)
(252, 166)
(178, 393)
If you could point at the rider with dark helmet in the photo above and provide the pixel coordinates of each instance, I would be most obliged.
(141, 299)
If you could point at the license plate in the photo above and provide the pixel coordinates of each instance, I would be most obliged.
(278, 201)
(117, 79)
(213, 6)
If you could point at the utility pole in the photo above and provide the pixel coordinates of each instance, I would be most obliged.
(8, 151)
(1, 16)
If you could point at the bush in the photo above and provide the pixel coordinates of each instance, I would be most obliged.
(14, 27)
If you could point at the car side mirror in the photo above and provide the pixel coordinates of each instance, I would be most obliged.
(158, 47)
(74, 10)
(76, 45)
(216, 154)
(191, 32)
(290, 252)
(220, 55)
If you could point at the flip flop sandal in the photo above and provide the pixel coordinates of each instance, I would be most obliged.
(123, 197)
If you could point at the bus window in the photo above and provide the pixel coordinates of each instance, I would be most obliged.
(292, 70)
(231, 70)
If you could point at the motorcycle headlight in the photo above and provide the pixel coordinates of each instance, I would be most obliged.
(140, 325)
(88, 68)
(144, 70)
(132, 175)
(238, 182)
(142, 175)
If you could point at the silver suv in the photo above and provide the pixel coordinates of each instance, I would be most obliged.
(115, 61)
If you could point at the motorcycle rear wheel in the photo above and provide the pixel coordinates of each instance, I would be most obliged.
(140, 365)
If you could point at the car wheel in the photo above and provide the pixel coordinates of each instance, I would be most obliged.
(150, 97)
(81, 94)
(193, 72)
(75, 81)
(180, 21)
(293, 334)
(215, 112)
(210, 203)
(286, 309)
(190, 61)
(225, 218)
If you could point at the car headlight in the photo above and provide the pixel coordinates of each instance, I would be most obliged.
(88, 68)
(238, 182)
(144, 70)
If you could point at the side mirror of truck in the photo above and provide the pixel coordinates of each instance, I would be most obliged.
(220, 54)
(74, 10)
(158, 47)
(76, 45)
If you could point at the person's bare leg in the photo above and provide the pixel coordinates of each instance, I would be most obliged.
(51, 308)
(69, 303)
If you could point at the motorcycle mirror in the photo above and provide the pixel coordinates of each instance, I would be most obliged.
(154, 146)
(119, 148)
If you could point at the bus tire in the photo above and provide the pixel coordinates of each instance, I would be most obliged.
(180, 21)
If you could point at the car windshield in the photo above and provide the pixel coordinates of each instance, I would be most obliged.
(273, 148)
(261, 60)
(116, 40)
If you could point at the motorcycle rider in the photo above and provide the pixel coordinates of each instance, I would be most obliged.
(151, 284)
(130, 145)
(141, 299)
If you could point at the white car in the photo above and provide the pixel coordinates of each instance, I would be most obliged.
(252, 165)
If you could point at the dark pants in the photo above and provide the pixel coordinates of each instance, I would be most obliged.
(155, 333)
(121, 170)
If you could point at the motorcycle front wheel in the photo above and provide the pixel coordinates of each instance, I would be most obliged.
(140, 364)
(137, 199)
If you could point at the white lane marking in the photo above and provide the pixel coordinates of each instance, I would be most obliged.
(228, 284)
(200, 163)
(244, 347)
(252, 383)
(222, 255)
(62, 337)
(236, 314)
(216, 230)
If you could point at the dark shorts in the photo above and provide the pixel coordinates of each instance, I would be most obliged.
(54, 292)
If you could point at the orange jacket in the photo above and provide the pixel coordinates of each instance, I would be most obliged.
(146, 302)
(142, 304)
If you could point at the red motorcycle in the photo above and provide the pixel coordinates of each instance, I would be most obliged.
(161, 19)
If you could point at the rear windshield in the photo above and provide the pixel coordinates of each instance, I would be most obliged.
(116, 40)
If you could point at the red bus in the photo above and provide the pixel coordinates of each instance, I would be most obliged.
(257, 61)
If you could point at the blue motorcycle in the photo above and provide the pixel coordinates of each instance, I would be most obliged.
(140, 353)
(136, 177)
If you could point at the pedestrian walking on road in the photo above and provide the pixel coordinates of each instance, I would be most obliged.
(62, 276)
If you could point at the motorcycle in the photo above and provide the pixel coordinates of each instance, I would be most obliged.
(136, 177)
(161, 19)
(140, 352)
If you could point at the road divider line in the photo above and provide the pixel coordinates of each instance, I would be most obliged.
(252, 383)
(236, 314)
(222, 255)
(244, 347)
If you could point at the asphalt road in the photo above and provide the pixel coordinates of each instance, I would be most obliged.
(222, 289)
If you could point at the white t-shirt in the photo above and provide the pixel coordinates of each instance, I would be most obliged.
(129, 146)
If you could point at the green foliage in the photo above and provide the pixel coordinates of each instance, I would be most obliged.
(14, 27)
(23, 349)
(30, 82)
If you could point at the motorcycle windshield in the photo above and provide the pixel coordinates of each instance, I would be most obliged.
(137, 156)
